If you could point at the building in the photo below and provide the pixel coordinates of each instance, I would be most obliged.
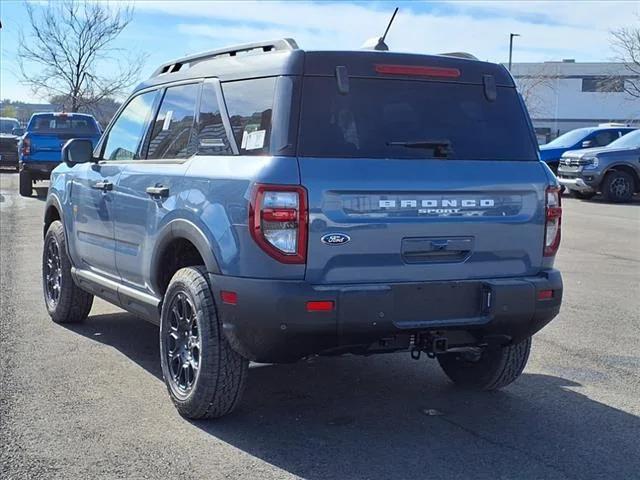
(567, 94)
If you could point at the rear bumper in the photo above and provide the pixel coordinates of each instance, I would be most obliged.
(270, 322)
(38, 170)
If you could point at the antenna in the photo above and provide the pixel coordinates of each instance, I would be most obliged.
(378, 43)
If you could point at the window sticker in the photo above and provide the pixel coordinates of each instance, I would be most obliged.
(255, 140)
(167, 120)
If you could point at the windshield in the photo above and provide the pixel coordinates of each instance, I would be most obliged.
(68, 124)
(569, 139)
(630, 140)
(7, 126)
(380, 118)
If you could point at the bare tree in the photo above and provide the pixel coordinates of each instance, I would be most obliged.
(68, 51)
(537, 88)
(626, 44)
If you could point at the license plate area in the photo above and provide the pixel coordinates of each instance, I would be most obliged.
(435, 302)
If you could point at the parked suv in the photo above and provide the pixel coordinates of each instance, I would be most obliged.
(590, 137)
(41, 145)
(613, 170)
(267, 203)
(10, 132)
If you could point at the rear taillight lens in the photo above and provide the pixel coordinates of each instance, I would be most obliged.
(278, 221)
(25, 148)
(553, 220)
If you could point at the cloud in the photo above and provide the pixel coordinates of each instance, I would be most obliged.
(549, 30)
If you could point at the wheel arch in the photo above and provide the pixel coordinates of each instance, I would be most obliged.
(176, 236)
(52, 212)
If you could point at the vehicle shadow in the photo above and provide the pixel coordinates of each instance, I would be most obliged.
(41, 193)
(389, 417)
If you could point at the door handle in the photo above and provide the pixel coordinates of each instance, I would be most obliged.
(104, 186)
(158, 191)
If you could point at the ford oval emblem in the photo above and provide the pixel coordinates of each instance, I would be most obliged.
(335, 238)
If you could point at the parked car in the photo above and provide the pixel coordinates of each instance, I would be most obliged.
(580, 138)
(267, 203)
(10, 132)
(613, 170)
(40, 147)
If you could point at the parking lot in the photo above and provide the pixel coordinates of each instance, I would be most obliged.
(88, 400)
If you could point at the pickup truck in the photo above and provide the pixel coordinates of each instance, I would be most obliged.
(40, 148)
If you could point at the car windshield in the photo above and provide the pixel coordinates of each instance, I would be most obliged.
(63, 124)
(569, 139)
(380, 118)
(630, 140)
(7, 126)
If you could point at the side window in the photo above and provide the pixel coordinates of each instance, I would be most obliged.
(250, 104)
(124, 138)
(211, 136)
(604, 138)
(171, 133)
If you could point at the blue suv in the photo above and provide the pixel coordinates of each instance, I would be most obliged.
(589, 137)
(265, 203)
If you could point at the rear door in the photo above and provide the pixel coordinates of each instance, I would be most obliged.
(420, 180)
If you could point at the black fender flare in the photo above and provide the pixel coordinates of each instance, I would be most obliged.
(52, 201)
(182, 229)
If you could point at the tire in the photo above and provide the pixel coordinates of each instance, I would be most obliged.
(26, 184)
(496, 368)
(65, 301)
(205, 377)
(618, 187)
(583, 196)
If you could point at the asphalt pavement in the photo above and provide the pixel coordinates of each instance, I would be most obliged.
(88, 401)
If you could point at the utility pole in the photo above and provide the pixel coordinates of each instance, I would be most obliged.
(511, 35)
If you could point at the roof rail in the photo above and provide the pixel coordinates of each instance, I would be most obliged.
(270, 46)
(460, 55)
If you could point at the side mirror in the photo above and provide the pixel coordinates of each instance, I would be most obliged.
(18, 131)
(77, 150)
(587, 144)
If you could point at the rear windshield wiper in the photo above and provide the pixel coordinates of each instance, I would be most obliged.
(441, 148)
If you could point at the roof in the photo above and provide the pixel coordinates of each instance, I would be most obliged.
(283, 57)
(68, 114)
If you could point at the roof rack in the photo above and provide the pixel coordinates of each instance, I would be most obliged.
(460, 55)
(263, 47)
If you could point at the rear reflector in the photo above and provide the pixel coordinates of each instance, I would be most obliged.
(230, 298)
(545, 294)
(416, 71)
(320, 306)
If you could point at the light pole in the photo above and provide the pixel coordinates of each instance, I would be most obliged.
(511, 35)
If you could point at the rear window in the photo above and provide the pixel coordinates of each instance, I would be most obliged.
(382, 118)
(63, 124)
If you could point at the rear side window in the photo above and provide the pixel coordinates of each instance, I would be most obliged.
(63, 124)
(382, 118)
(211, 135)
(250, 105)
(171, 133)
(124, 138)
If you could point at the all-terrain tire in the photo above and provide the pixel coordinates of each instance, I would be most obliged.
(26, 184)
(618, 187)
(496, 368)
(71, 304)
(217, 387)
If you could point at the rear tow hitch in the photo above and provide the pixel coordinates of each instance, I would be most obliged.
(432, 345)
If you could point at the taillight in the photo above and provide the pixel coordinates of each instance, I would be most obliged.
(25, 148)
(553, 220)
(278, 221)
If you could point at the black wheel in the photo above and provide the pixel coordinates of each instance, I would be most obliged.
(26, 184)
(492, 369)
(618, 187)
(65, 301)
(204, 375)
(583, 195)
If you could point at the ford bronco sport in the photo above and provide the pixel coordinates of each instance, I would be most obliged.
(264, 203)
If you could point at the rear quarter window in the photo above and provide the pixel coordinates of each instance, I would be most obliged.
(377, 116)
(250, 106)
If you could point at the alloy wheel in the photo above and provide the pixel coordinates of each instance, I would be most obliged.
(183, 344)
(52, 272)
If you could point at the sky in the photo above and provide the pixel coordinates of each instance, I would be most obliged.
(164, 30)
